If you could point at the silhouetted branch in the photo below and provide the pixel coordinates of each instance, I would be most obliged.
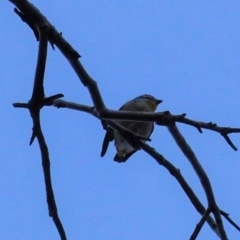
(166, 119)
(200, 224)
(188, 152)
(34, 105)
(224, 131)
(187, 189)
(37, 20)
(33, 15)
(159, 158)
(226, 215)
(44, 31)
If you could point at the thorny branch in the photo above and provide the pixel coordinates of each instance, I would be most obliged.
(34, 106)
(44, 31)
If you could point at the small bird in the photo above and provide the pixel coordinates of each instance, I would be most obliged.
(143, 103)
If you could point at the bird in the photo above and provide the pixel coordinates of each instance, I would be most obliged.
(143, 103)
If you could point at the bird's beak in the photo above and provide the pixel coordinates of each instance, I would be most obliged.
(158, 101)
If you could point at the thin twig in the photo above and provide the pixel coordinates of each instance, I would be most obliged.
(188, 152)
(200, 224)
(226, 215)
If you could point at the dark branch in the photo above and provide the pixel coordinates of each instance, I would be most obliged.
(159, 158)
(228, 140)
(36, 20)
(200, 224)
(188, 152)
(34, 105)
(25, 18)
(224, 131)
(226, 215)
(183, 183)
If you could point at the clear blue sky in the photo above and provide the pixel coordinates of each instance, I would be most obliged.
(186, 53)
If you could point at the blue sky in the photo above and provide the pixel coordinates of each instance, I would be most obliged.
(183, 52)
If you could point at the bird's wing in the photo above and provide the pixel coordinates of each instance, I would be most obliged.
(151, 130)
(124, 158)
(108, 138)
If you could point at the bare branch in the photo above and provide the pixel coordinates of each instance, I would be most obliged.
(183, 183)
(33, 15)
(159, 158)
(224, 131)
(228, 140)
(200, 225)
(226, 215)
(44, 31)
(34, 105)
(188, 152)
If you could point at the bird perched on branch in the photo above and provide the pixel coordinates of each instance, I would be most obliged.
(143, 103)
